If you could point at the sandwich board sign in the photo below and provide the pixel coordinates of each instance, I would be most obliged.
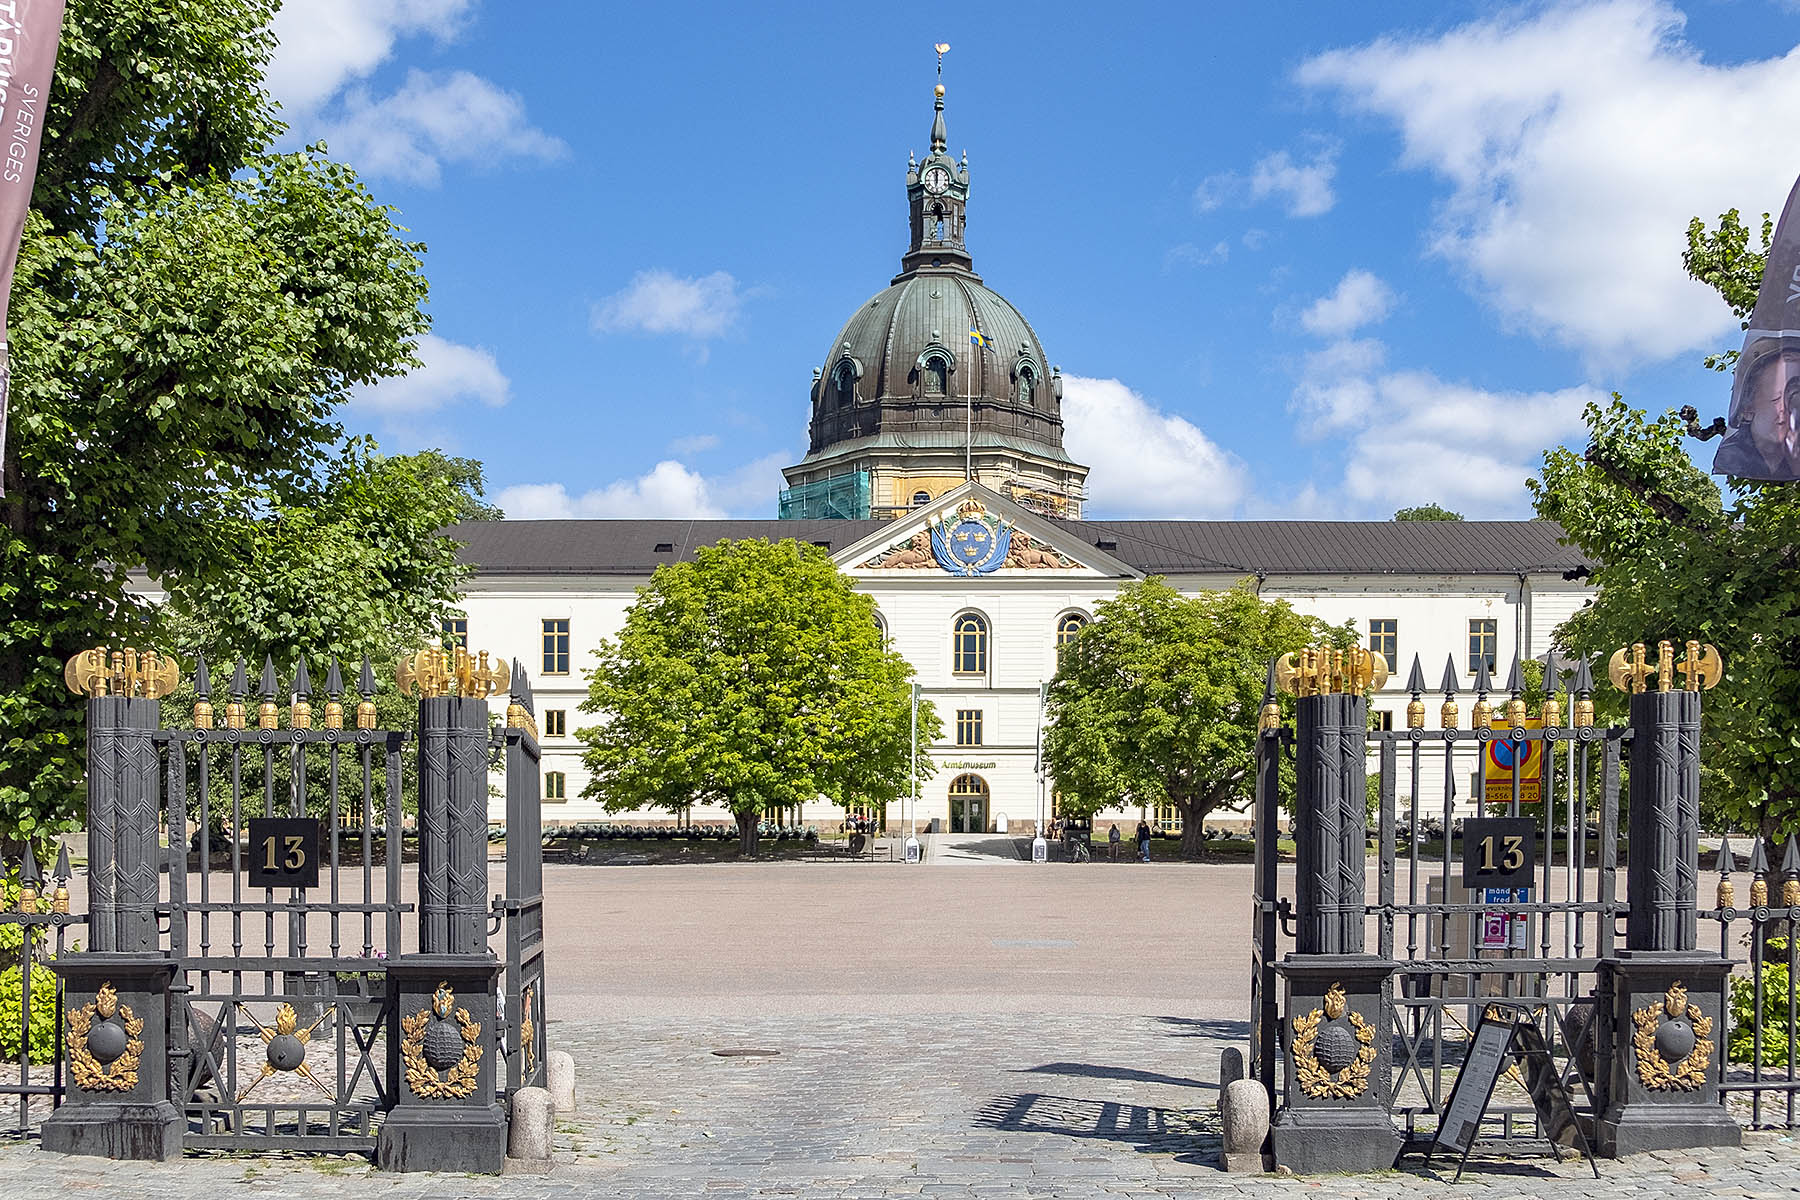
(1506, 1037)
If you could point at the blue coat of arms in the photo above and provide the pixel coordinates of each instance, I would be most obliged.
(971, 542)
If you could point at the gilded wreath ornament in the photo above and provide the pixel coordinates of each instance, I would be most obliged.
(119, 1072)
(457, 1077)
(1664, 1029)
(1319, 1080)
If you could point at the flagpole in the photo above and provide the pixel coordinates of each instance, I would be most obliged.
(969, 437)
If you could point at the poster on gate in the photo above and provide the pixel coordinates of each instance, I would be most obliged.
(1501, 930)
(1504, 756)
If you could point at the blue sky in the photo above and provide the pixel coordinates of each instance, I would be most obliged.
(1313, 260)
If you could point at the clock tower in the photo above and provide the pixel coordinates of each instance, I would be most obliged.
(937, 193)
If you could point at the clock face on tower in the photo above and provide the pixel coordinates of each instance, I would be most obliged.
(937, 181)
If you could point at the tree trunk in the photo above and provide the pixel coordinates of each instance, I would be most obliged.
(1193, 831)
(748, 830)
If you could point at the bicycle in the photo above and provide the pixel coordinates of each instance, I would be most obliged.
(1079, 852)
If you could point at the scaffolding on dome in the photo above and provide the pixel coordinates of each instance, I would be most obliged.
(842, 497)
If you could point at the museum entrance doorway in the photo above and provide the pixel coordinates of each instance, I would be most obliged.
(968, 804)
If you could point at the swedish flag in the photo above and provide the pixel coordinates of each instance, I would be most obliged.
(980, 339)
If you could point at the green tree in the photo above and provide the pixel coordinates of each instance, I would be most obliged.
(751, 677)
(1675, 559)
(1159, 697)
(190, 308)
(1427, 512)
(357, 565)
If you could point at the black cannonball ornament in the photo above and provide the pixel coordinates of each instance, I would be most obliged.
(286, 1052)
(1335, 1048)
(443, 1044)
(106, 1041)
(1675, 1039)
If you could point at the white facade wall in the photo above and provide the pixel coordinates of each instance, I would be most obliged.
(505, 617)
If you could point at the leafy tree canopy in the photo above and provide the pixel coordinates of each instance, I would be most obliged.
(189, 310)
(1158, 699)
(1677, 560)
(1427, 512)
(751, 677)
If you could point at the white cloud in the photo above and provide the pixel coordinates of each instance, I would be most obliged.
(1359, 299)
(669, 489)
(325, 44)
(1187, 254)
(1145, 462)
(1577, 141)
(1414, 438)
(435, 119)
(659, 301)
(451, 373)
(695, 444)
(1305, 187)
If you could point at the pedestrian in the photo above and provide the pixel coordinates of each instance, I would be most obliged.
(1143, 841)
(1112, 841)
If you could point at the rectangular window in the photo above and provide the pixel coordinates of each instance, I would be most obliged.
(455, 631)
(1167, 818)
(556, 646)
(556, 785)
(1482, 642)
(968, 727)
(556, 722)
(1384, 639)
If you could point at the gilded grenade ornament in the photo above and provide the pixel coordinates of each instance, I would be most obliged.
(1334, 1048)
(1673, 1043)
(441, 1047)
(106, 1042)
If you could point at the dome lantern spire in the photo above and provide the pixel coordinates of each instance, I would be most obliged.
(937, 192)
(939, 138)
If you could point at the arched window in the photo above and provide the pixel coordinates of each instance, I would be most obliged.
(1027, 386)
(1067, 626)
(920, 499)
(969, 645)
(843, 382)
(881, 626)
(937, 376)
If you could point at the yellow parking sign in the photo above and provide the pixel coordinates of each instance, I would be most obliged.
(1504, 756)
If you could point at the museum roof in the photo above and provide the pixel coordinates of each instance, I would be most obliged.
(638, 546)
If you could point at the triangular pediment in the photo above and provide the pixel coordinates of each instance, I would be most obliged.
(972, 532)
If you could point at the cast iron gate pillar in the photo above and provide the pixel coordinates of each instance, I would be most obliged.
(1336, 1090)
(117, 994)
(442, 1043)
(1669, 1021)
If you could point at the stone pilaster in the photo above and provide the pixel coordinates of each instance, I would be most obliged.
(441, 1057)
(116, 1025)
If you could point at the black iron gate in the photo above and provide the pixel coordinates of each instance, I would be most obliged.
(1542, 945)
(282, 955)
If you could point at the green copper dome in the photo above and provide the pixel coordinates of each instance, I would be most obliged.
(905, 361)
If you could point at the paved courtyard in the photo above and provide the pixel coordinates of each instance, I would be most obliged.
(1050, 1031)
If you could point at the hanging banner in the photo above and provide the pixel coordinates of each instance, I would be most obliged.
(1762, 439)
(29, 30)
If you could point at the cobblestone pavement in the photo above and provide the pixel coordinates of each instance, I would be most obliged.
(910, 1106)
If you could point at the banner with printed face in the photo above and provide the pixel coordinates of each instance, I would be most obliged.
(1762, 440)
(29, 30)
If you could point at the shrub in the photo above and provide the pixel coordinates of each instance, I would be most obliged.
(1742, 1046)
(43, 1013)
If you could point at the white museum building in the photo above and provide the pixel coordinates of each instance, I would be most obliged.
(937, 478)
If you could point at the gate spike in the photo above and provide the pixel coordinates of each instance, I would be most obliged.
(1514, 684)
(1415, 682)
(1484, 683)
(1583, 682)
(334, 680)
(62, 864)
(202, 678)
(1269, 684)
(267, 685)
(1759, 861)
(1725, 863)
(1451, 680)
(240, 680)
(28, 870)
(302, 681)
(1790, 861)
(365, 682)
(1552, 673)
